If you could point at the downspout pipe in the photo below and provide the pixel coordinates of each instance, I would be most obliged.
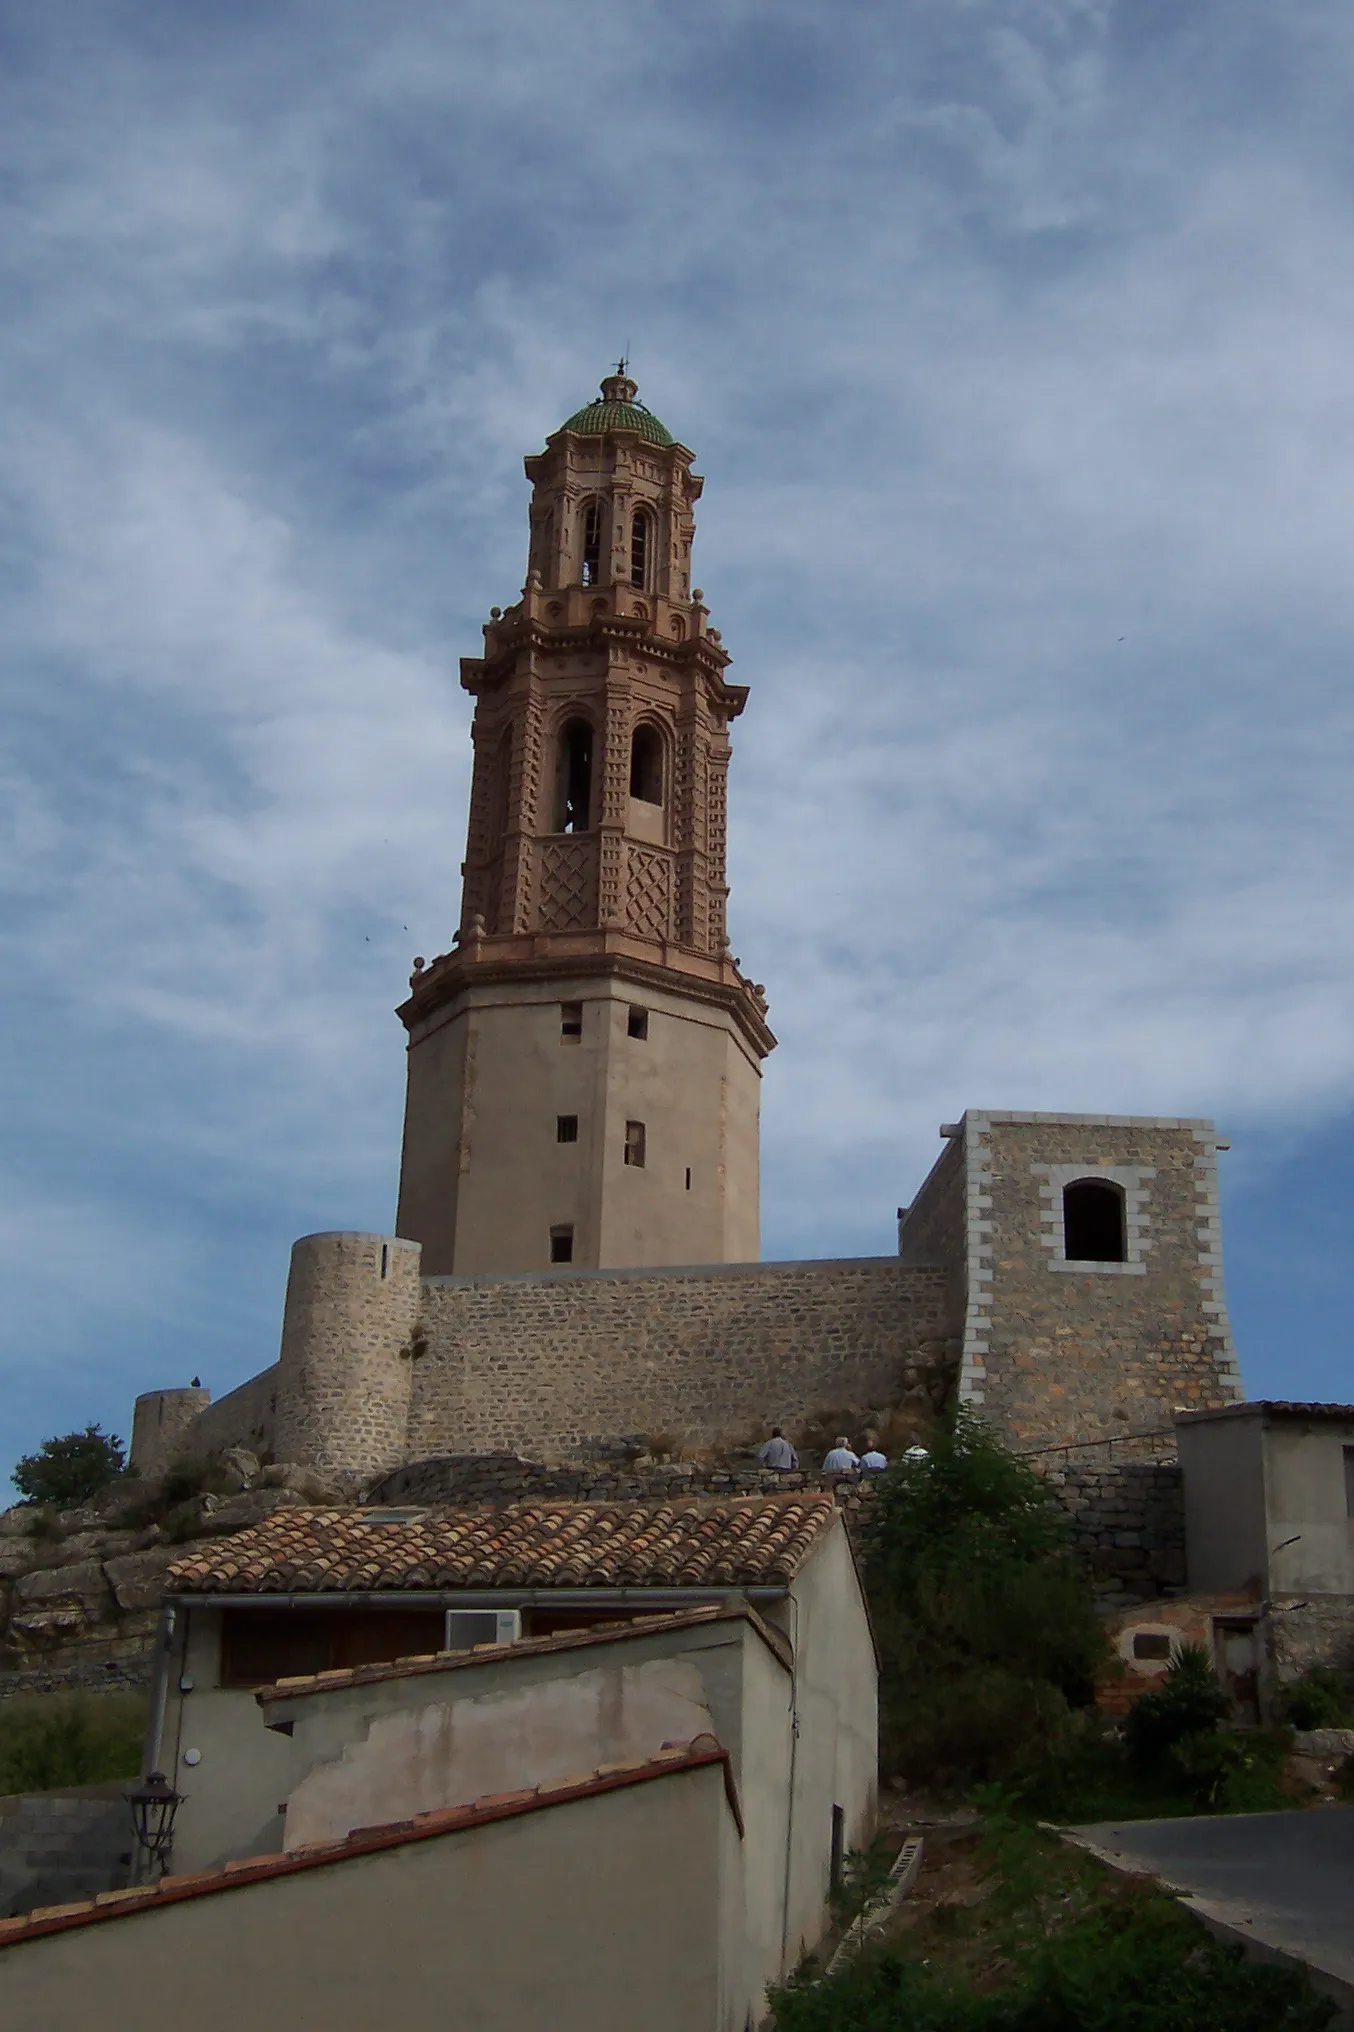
(155, 1721)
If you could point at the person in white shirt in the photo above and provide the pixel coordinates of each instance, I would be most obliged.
(841, 1460)
(873, 1462)
(778, 1453)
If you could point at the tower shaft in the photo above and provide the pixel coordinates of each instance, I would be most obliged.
(584, 1066)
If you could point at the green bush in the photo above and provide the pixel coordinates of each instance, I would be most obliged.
(1188, 1702)
(71, 1469)
(987, 1630)
(1317, 1699)
(51, 1740)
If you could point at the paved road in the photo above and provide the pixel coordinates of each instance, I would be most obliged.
(1282, 1880)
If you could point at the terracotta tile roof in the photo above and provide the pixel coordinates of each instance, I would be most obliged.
(365, 1841)
(525, 1647)
(1269, 1407)
(761, 1541)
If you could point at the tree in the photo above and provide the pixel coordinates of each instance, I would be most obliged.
(986, 1626)
(71, 1469)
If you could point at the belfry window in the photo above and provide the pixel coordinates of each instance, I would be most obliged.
(574, 778)
(1094, 1229)
(646, 765)
(592, 543)
(640, 548)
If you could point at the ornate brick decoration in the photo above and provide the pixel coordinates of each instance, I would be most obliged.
(568, 885)
(648, 894)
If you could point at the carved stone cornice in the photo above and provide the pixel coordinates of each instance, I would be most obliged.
(481, 961)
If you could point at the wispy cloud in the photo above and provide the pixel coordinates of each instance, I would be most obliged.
(1012, 340)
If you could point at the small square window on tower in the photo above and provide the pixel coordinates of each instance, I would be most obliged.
(570, 1022)
(562, 1244)
(634, 1144)
(637, 1022)
(566, 1128)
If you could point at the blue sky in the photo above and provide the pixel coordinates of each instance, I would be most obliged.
(1012, 337)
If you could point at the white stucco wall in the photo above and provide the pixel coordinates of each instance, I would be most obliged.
(1222, 1463)
(445, 1750)
(837, 1751)
(614, 1910)
(243, 1773)
(1306, 1506)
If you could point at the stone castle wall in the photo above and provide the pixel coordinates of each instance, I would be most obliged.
(380, 1366)
(244, 1417)
(345, 1367)
(554, 1364)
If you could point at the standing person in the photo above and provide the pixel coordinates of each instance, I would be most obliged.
(841, 1460)
(778, 1453)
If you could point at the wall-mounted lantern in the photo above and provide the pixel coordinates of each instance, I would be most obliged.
(153, 1803)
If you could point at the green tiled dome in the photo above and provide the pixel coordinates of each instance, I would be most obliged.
(611, 413)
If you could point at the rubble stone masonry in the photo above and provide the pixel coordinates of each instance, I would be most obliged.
(1059, 1351)
(552, 1365)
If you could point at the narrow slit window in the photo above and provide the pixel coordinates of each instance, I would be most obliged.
(1093, 1222)
(639, 549)
(385, 1259)
(562, 1243)
(570, 1022)
(1349, 1481)
(688, 1178)
(566, 1128)
(637, 1022)
(634, 1144)
(838, 1855)
(592, 543)
(646, 765)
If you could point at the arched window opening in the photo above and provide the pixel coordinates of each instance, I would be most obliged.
(640, 547)
(646, 765)
(574, 778)
(1093, 1222)
(592, 543)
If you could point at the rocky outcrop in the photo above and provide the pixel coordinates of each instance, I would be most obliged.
(80, 1589)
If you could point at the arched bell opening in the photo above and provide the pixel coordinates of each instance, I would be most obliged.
(573, 778)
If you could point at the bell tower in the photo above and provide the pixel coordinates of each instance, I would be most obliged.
(584, 1065)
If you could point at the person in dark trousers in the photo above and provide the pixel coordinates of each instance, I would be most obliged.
(778, 1453)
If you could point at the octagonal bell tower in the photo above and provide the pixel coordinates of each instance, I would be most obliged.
(584, 1066)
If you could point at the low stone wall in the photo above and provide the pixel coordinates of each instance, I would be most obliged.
(1128, 1521)
(544, 1365)
(1128, 1518)
(57, 1847)
(505, 1478)
(1308, 1630)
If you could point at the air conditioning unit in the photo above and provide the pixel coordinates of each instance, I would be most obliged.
(468, 1627)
